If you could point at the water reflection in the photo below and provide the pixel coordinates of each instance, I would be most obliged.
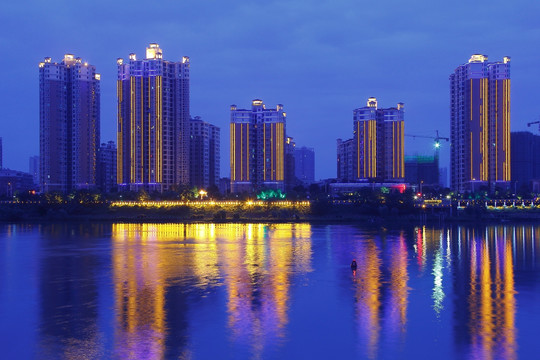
(69, 291)
(253, 261)
(257, 274)
(483, 282)
(381, 292)
(256, 290)
(491, 301)
(433, 243)
(139, 261)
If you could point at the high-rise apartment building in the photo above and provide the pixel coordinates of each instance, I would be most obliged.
(526, 159)
(257, 147)
(106, 169)
(480, 124)
(33, 168)
(304, 165)
(204, 153)
(69, 124)
(379, 142)
(345, 160)
(153, 121)
(377, 148)
(289, 164)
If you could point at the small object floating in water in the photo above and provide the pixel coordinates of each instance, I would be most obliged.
(353, 265)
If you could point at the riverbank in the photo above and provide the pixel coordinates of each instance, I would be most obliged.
(318, 213)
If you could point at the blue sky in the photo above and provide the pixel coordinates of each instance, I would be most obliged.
(320, 59)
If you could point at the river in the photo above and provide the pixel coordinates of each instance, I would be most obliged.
(268, 291)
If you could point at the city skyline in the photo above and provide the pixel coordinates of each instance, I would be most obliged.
(410, 58)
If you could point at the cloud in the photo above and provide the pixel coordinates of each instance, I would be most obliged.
(321, 59)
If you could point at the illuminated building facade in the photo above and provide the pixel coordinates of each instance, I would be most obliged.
(304, 165)
(378, 139)
(69, 124)
(377, 145)
(204, 153)
(153, 122)
(106, 170)
(257, 147)
(480, 124)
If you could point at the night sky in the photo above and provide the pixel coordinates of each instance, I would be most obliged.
(320, 59)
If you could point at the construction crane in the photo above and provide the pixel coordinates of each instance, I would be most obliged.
(437, 144)
(534, 122)
(436, 138)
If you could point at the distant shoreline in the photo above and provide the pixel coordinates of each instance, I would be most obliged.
(57, 213)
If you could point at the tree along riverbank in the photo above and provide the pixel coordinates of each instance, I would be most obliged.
(317, 212)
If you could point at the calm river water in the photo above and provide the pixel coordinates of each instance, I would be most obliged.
(258, 291)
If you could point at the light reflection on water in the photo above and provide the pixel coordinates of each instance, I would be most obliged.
(253, 262)
(239, 291)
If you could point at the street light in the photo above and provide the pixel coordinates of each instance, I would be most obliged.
(202, 193)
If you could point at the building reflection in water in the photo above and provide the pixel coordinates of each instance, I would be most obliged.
(68, 291)
(257, 274)
(162, 272)
(434, 242)
(492, 306)
(154, 263)
(381, 291)
(483, 264)
(476, 266)
(139, 261)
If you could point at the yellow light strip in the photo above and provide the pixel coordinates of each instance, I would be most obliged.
(472, 174)
(247, 152)
(119, 148)
(358, 149)
(485, 129)
(159, 131)
(149, 150)
(394, 162)
(132, 129)
(374, 147)
(264, 152)
(242, 152)
(481, 133)
(141, 136)
(281, 145)
(470, 121)
(366, 155)
(278, 152)
(281, 142)
(402, 160)
(508, 144)
(232, 151)
(497, 116)
(273, 153)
